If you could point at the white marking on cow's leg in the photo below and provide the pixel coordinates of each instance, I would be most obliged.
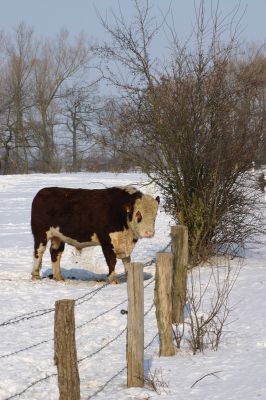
(56, 250)
(55, 243)
(56, 268)
(126, 262)
(37, 264)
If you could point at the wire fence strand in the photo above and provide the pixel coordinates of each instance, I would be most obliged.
(80, 300)
(78, 327)
(117, 373)
(30, 386)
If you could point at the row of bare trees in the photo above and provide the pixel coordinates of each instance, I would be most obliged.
(45, 100)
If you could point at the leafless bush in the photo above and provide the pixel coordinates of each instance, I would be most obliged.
(208, 305)
(178, 333)
(156, 382)
(194, 125)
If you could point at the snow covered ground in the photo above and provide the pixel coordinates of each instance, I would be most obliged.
(236, 371)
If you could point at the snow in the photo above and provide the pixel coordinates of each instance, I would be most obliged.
(235, 371)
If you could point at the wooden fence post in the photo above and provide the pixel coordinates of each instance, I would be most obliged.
(179, 236)
(163, 302)
(65, 354)
(135, 326)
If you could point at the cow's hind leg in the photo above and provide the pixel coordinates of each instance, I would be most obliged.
(56, 250)
(39, 249)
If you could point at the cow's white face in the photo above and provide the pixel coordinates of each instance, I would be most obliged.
(144, 215)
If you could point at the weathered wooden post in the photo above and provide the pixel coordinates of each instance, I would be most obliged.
(65, 354)
(179, 236)
(163, 302)
(135, 326)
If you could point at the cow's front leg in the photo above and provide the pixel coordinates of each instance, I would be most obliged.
(39, 249)
(126, 261)
(110, 257)
(56, 251)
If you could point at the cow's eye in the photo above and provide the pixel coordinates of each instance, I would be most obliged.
(138, 216)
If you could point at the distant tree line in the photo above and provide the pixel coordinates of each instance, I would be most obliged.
(52, 117)
(48, 104)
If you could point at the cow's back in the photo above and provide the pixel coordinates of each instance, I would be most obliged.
(79, 213)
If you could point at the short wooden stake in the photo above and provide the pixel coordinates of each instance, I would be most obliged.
(179, 235)
(65, 354)
(135, 326)
(163, 302)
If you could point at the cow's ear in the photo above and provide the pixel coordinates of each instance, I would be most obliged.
(129, 208)
(157, 199)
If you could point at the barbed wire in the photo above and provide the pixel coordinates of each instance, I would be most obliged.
(153, 260)
(50, 340)
(84, 298)
(90, 295)
(118, 373)
(31, 385)
(80, 360)
(103, 347)
(107, 383)
(25, 348)
(41, 312)
(78, 327)
(27, 316)
(100, 315)
(112, 340)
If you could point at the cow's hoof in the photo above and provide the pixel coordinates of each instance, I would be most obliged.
(114, 282)
(113, 279)
(59, 278)
(35, 278)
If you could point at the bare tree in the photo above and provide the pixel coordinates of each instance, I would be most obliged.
(194, 126)
(6, 139)
(58, 62)
(20, 49)
(80, 108)
(36, 76)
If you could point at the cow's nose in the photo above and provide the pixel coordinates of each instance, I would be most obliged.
(148, 233)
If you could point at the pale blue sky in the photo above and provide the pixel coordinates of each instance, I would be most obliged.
(48, 16)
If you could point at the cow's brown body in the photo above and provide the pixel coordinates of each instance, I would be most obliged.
(114, 218)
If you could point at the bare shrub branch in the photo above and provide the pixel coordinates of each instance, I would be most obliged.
(208, 305)
(156, 382)
(194, 127)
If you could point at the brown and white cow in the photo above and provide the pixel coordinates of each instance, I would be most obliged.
(114, 218)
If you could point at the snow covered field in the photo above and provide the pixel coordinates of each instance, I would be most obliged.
(26, 319)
